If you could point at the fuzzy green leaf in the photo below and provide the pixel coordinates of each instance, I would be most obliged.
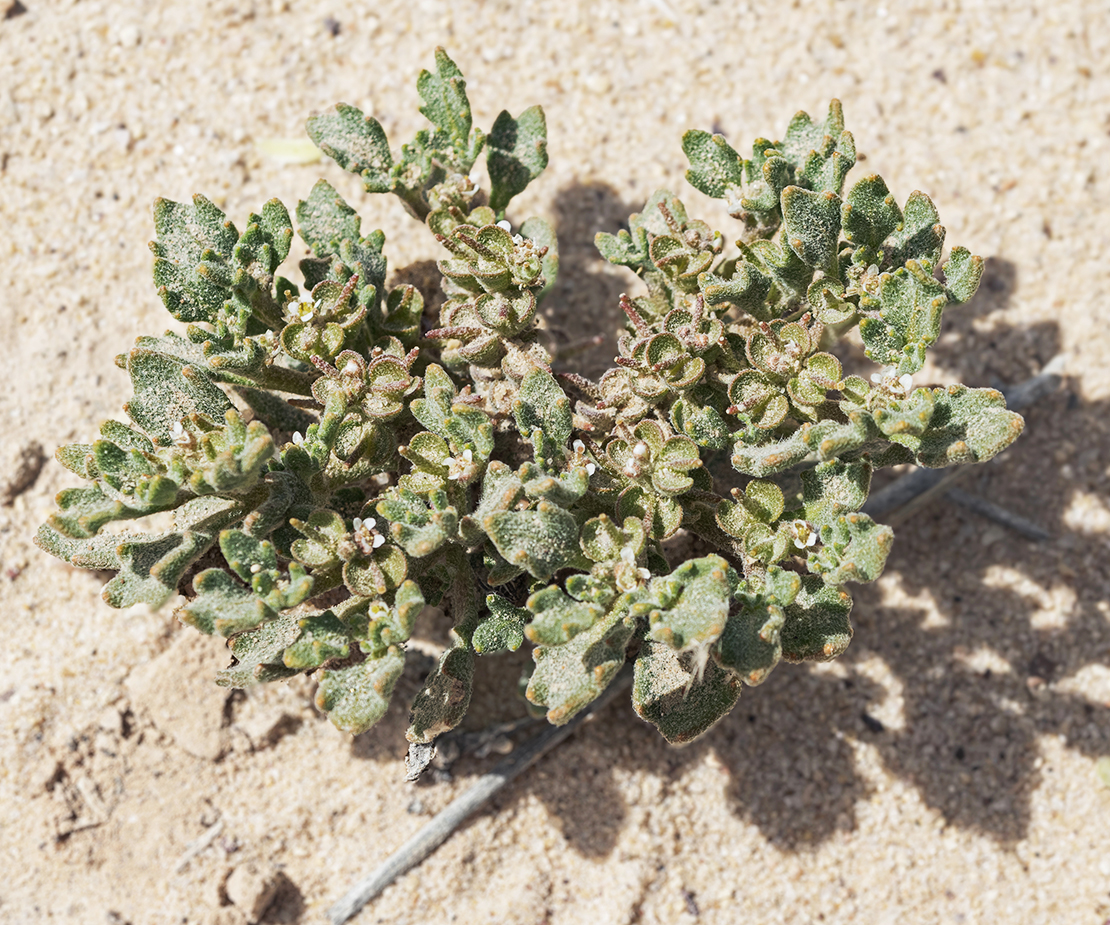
(558, 618)
(517, 154)
(441, 704)
(357, 696)
(372, 576)
(833, 488)
(325, 219)
(542, 540)
(420, 527)
(904, 420)
(751, 644)
(962, 273)
(869, 213)
(258, 653)
(821, 152)
(356, 143)
(569, 677)
(151, 566)
(447, 107)
(768, 173)
(747, 289)
(817, 627)
(323, 636)
(763, 459)
(854, 548)
(967, 425)
(167, 390)
(189, 236)
(502, 630)
(688, 608)
(543, 405)
(715, 169)
(812, 223)
(912, 302)
(681, 698)
(920, 236)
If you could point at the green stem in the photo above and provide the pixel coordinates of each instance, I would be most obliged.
(711, 533)
(272, 378)
(326, 580)
(465, 609)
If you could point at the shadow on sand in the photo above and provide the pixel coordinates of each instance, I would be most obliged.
(966, 739)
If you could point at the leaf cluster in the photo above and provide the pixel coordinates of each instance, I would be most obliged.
(335, 459)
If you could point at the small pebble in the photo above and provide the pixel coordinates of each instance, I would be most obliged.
(129, 36)
(598, 83)
(252, 887)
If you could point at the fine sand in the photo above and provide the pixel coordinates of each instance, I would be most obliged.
(944, 770)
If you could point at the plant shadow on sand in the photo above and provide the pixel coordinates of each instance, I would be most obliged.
(993, 621)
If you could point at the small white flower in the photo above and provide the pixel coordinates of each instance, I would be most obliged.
(297, 439)
(351, 369)
(505, 225)
(180, 435)
(626, 573)
(301, 309)
(899, 386)
(640, 450)
(580, 451)
(460, 467)
(365, 536)
(804, 534)
(256, 568)
(378, 610)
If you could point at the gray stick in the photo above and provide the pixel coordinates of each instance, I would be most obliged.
(998, 514)
(437, 831)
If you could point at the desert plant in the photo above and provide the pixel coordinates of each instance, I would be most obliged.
(335, 459)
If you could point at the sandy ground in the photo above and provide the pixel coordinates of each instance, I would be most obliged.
(944, 770)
